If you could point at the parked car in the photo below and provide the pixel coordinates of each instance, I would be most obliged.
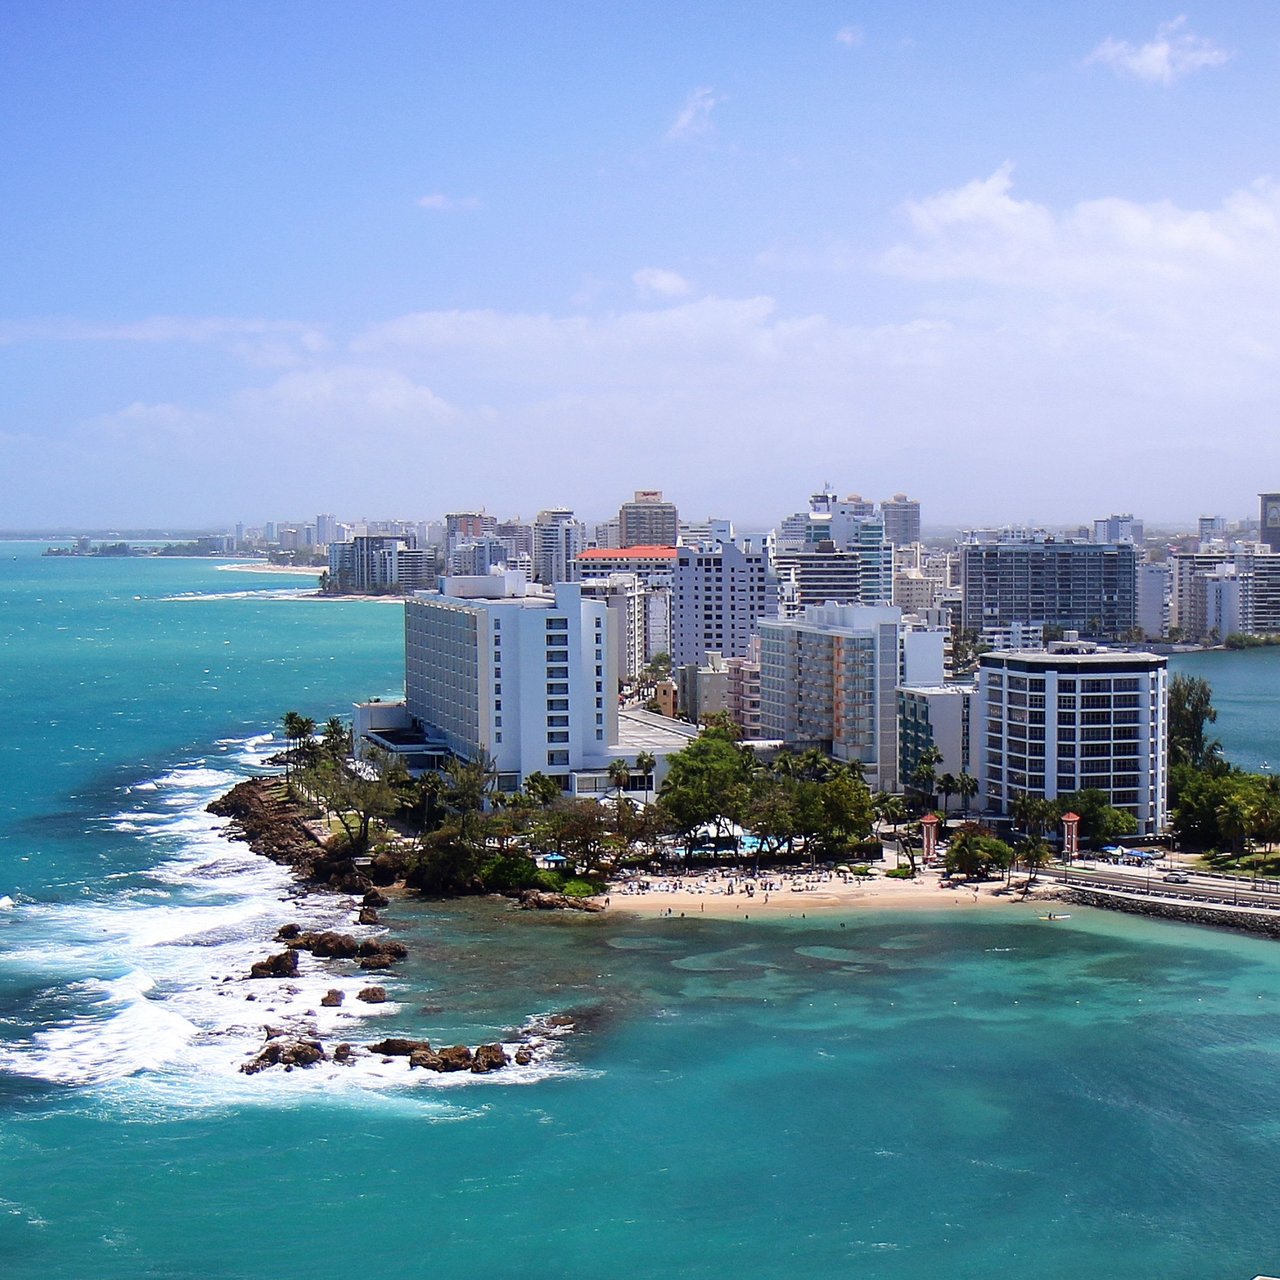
(1176, 877)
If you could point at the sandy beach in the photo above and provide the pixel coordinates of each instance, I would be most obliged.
(257, 566)
(775, 894)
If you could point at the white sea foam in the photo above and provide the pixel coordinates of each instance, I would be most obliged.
(151, 966)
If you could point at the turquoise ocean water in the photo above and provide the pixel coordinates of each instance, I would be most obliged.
(922, 1096)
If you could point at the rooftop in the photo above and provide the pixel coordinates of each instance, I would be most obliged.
(646, 731)
(628, 553)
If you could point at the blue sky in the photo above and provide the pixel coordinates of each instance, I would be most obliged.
(266, 260)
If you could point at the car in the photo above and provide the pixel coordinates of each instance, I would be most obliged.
(1176, 877)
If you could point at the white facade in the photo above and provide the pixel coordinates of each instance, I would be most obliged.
(557, 540)
(626, 597)
(720, 594)
(1075, 717)
(522, 677)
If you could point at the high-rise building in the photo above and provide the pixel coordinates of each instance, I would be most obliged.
(1088, 587)
(720, 594)
(1071, 718)
(1269, 519)
(379, 562)
(829, 679)
(648, 521)
(519, 677)
(1119, 529)
(326, 529)
(901, 517)
(463, 526)
(817, 576)
(626, 597)
(557, 540)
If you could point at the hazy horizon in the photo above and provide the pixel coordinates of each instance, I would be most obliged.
(1021, 264)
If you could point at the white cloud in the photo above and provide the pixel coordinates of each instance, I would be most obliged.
(1173, 53)
(851, 37)
(1108, 354)
(693, 121)
(438, 202)
(658, 282)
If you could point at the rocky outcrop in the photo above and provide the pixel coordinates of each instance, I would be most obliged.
(332, 998)
(283, 965)
(372, 995)
(456, 1057)
(537, 900)
(392, 947)
(342, 1052)
(488, 1057)
(397, 1047)
(375, 899)
(367, 915)
(285, 1053)
(263, 815)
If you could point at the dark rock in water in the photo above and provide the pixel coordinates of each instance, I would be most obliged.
(367, 916)
(488, 1057)
(537, 900)
(428, 1059)
(342, 1052)
(332, 998)
(379, 961)
(375, 899)
(372, 995)
(353, 882)
(287, 932)
(383, 947)
(523, 1056)
(284, 965)
(455, 1058)
(329, 945)
(560, 1020)
(299, 1053)
(398, 1046)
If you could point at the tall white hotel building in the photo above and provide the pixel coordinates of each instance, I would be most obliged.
(524, 678)
(1075, 716)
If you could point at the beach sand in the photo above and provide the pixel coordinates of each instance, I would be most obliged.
(257, 566)
(706, 895)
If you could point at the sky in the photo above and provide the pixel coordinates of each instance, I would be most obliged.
(261, 261)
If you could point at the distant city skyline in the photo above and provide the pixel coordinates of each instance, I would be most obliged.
(1024, 265)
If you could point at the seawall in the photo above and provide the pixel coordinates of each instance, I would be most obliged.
(1263, 922)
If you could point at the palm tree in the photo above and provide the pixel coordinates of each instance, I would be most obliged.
(335, 742)
(947, 787)
(619, 773)
(292, 724)
(647, 762)
(541, 788)
(966, 789)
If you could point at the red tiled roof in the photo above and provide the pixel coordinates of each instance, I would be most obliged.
(628, 553)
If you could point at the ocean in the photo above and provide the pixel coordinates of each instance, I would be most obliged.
(892, 1096)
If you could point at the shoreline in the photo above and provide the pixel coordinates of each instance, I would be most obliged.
(777, 896)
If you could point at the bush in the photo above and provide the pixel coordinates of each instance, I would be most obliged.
(509, 873)
(900, 873)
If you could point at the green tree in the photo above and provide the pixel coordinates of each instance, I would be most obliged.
(966, 788)
(619, 774)
(647, 762)
(357, 795)
(1100, 821)
(335, 740)
(541, 788)
(948, 785)
(1191, 711)
(707, 783)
